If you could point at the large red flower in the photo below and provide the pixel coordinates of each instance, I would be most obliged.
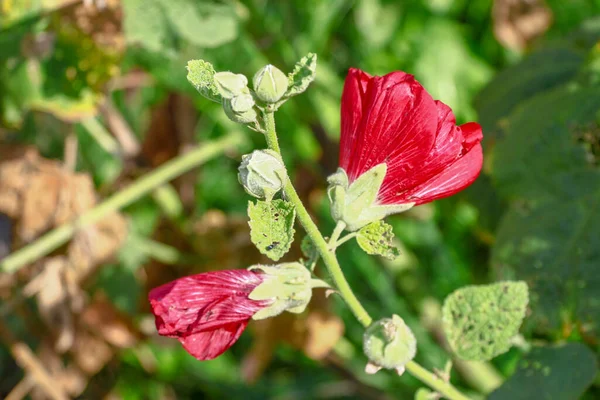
(207, 312)
(392, 119)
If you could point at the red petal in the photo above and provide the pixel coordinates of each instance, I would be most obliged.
(447, 148)
(398, 126)
(211, 344)
(451, 180)
(204, 301)
(355, 88)
(472, 134)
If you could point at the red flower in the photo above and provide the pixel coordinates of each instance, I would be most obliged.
(207, 312)
(392, 119)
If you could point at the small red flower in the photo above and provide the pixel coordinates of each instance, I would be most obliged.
(392, 119)
(207, 312)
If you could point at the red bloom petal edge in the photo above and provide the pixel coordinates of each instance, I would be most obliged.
(393, 120)
(206, 312)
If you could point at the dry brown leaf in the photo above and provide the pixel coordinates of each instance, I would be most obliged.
(69, 377)
(54, 302)
(104, 320)
(90, 353)
(323, 330)
(39, 194)
(518, 22)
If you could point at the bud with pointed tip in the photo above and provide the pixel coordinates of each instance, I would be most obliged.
(270, 84)
(262, 173)
(389, 343)
(289, 286)
(230, 85)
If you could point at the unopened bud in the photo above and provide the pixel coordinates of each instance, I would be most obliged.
(239, 109)
(230, 85)
(270, 84)
(389, 343)
(262, 173)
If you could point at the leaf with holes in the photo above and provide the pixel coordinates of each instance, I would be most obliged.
(272, 227)
(303, 74)
(479, 321)
(377, 238)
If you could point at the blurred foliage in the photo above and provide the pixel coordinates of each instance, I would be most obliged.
(531, 216)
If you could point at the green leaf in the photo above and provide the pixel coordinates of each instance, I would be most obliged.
(443, 42)
(201, 23)
(145, 23)
(480, 321)
(272, 227)
(538, 155)
(159, 25)
(542, 70)
(201, 75)
(303, 74)
(377, 22)
(553, 246)
(556, 373)
(377, 238)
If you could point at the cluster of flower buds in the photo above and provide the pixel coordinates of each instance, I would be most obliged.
(238, 103)
(270, 84)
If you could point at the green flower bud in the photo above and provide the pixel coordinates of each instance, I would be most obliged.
(242, 103)
(230, 85)
(270, 84)
(262, 173)
(234, 109)
(289, 285)
(389, 343)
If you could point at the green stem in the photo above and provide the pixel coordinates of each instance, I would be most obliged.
(345, 239)
(168, 171)
(434, 381)
(101, 135)
(335, 271)
(337, 232)
(328, 256)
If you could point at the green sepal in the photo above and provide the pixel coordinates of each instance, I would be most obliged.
(230, 85)
(356, 204)
(289, 285)
(389, 343)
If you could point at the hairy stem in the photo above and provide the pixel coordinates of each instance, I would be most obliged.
(335, 271)
(165, 173)
(327, 255)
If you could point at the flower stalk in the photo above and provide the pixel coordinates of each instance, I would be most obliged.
(327, 254)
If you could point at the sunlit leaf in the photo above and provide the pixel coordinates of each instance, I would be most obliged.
(377, 238)
(272, 227)
(303, 74)
(480, 321)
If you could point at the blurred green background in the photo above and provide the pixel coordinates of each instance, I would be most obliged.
(94, 95)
